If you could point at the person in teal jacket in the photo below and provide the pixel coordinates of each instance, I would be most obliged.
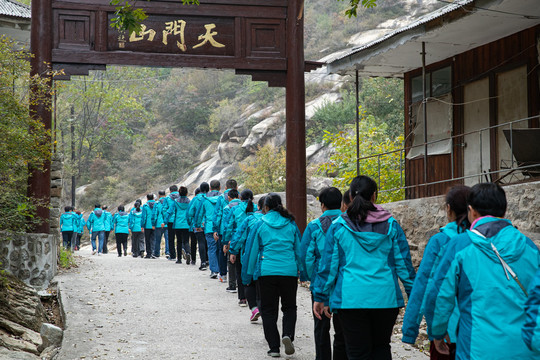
(203, 220)
(456, 212)
(149, 225)
(168, 203)
(135, 226)
(80, 230)
(364, 255)
(68, 223)
(120, 224)
(531, 330)
(486, 270)
(96, 227)
(108, 227)
(275, 260)
(161, 225)
(312, 246)
(237, 250)
(193, 214)
(225, 265)
(178, 213)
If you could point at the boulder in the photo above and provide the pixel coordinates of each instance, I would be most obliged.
(209, 152)
(52, 335)
(16, 355)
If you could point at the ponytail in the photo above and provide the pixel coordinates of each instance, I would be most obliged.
(273, 202)
(361, 190)
(247, 195)
(249, 208)
(456, 198)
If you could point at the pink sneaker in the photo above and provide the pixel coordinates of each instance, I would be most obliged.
(255, 315)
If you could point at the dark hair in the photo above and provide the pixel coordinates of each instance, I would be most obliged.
(138, 201)
(150, 196)
(247, 195)
(78, 212)
(215, 184)
(231, 184)
(104, 207)
(362, 190)
(331, 198)
(347, 197)
(161, 192)
(137, 205)
(273, 201)
(233, 194)
(173, 188)
(197, 191)
(488, 199)
(204, 187)
(97, 206)
(183, 191)
(67, 208)
(260, 204)
(121, 208)
(456, 198)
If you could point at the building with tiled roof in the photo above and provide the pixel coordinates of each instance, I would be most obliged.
(15, 21)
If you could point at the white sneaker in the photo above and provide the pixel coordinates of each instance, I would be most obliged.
(289, 347)
(94, 252)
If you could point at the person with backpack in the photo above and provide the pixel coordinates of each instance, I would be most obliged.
(149, 225)
(120, 224)
(274, 259)
(312, 245)
(178, 213)
(365, 253)
(67, 225)
(456, 212)
(96, 227)
(485, 272)
(135, 226)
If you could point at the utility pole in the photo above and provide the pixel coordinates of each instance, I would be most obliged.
(72, 128)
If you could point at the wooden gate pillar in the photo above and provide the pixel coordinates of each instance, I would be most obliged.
(296, 114)
(41, 47)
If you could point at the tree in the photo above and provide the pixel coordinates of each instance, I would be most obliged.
(266, 171)
(24, 142)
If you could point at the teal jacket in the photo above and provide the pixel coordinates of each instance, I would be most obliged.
(159, 215)
(149, 215)
(80, 224)
(531, 330)
(236, 216)
(275, 248)
(238, 242)
(312, 244)
(195, 208)
(228, 213)
(96, 221)
(489, 299)
(178, 213)
(205, 212)
(222, 201)
(361, 264)
(120, 222)
(107, 221)
(414, 313)
(135, 220)
(167, 204)
(68, 221)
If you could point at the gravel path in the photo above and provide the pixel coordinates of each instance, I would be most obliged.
(133, 308)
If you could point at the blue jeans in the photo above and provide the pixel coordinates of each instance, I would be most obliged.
(166, 233)
(101, 239)
(221, 257)
(212, 252)
(158, 233)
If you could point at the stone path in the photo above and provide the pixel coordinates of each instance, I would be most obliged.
(127, 308)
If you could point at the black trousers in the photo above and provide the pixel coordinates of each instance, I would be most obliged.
(237, 270)
(367, 332)
(252, 295)
(193, 241)
(66, 238)
(340, 350)
(121, 240)
(182, 238)
(203, 248)
(321, 329)
(149, 242)
(105, 250)
(172, 247)
(273, 288)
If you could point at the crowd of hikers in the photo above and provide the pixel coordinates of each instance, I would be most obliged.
(478, 284)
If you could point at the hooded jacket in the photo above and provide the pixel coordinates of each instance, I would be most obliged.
(68, 221)
(194, 209)
(228, 216)
(149, 215)
(135, 220)
(237, 216)
(167, 204)
(490, 303)
(531, 330)
(433, 253)
(159, 214)
(361, 264)
(107, 220)
(275, 248)
(221, 202)
(178, 213)
(120, 222)
(312, 244)
(205, 211)
(80, 224)
(96, 221)
(238, 242)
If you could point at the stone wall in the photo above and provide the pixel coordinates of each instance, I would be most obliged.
(422, 218)
(30, 257)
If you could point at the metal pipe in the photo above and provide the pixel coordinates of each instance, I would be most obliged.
(512, 145)
(357, 127)
(424, 108)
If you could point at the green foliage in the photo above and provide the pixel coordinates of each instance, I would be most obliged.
(384, 169)
(353, 6)
(25, 142)
(266, 171)
(66, 259)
